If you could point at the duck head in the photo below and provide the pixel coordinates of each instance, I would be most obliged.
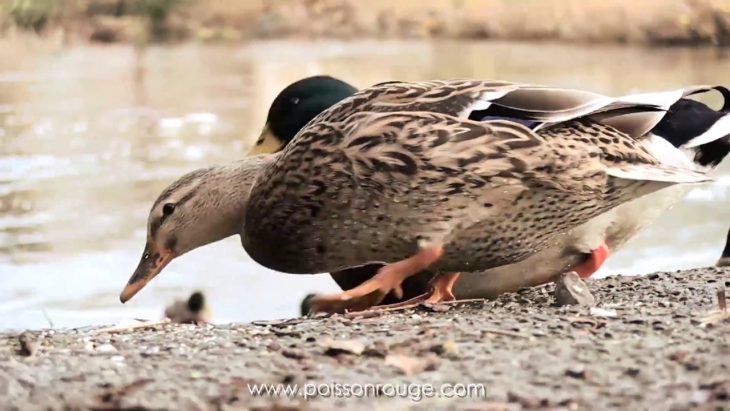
(295, 106)
(200, 208)
(208, 205)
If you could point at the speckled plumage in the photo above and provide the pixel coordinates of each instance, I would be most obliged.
(400, 165)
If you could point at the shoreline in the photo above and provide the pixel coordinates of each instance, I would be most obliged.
(657, 22)
(643, 346)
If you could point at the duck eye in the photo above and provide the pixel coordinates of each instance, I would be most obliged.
(168, 208)
(294, 100)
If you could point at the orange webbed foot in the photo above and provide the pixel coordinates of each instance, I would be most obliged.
(372, 291)
(594, 261)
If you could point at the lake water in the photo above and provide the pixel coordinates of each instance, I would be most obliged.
(89, 135)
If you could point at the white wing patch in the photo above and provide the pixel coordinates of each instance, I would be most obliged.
(663, 99)
(720, 129)
(667, 174)
(485, 100)
(665, 152)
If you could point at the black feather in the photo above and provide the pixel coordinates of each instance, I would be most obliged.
(497, 112)
(685, 120)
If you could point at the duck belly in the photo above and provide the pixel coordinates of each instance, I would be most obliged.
(615, 227)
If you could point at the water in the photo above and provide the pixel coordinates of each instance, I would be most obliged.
(90, 135)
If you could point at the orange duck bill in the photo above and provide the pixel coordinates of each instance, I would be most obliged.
(152, 262)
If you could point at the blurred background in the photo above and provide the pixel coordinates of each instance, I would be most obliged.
(105, 102)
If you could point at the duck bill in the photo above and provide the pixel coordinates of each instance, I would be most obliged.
(152, 262)
(267, 143)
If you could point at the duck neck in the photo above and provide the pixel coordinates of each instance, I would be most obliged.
(225, 194)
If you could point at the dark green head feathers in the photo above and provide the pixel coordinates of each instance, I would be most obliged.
(295, 106)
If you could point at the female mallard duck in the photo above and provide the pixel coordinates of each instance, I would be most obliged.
(208, 204)
(586, 247)
(509, 169)
(451, 176)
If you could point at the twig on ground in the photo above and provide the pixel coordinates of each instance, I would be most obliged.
(503, 333)
(129, 327)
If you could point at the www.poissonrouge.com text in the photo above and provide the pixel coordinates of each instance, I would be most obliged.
(414, 392)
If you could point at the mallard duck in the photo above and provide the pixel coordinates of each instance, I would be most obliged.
(452, 176)
(724, 260)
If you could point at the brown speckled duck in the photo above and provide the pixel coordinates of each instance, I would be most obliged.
(586, 247)
(451, 176)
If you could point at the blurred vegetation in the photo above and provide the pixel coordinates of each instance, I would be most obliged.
(102, 20)
(31, 14)
(694, 22)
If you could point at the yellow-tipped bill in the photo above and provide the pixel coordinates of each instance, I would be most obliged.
(152, 262)
(267, 143)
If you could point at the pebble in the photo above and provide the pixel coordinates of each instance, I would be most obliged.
(28, 344)
(571, 290)
(106, 348)
(603, 312)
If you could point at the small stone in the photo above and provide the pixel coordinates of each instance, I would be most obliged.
(28, 344)
(437, 308)
(294, 354)
(336, 347)
(578, 373)
(106, 348)
(524, 401)
(677, 356)
(376, 349)
(409, 365)
(603, 312)
(571, 290)
(447, 348)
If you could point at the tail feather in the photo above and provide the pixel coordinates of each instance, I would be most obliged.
(720, 129)
(659, 173)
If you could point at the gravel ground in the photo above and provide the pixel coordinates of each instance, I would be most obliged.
(643, 347)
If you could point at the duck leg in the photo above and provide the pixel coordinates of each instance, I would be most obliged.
(372, 291)
(441, 290)
(594, 261)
